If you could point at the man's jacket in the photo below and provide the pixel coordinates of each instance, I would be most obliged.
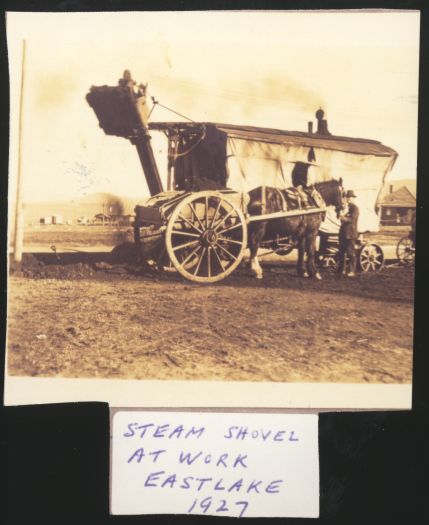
(349, 222)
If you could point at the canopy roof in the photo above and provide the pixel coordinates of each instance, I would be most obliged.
(277, 136)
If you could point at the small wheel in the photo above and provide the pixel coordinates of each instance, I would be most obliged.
(206, 237)
(370, 258)
(329, 262)
(405, 250)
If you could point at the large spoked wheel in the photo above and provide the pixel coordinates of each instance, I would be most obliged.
(206, 237)
(405, 251)
(370, 258)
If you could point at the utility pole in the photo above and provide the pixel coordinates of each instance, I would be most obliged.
(19, 210)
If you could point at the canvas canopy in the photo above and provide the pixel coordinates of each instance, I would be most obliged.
(247, 157)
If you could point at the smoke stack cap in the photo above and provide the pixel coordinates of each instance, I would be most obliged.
(320, 114)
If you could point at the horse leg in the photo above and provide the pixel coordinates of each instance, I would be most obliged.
(302, 272)
(310, 246)
(255, 237)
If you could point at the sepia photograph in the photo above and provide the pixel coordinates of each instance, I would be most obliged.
(212, 208)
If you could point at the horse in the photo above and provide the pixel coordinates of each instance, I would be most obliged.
(302, 229)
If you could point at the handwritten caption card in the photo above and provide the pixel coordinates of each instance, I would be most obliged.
(221, 464)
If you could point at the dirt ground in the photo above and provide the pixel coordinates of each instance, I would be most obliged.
(100, 315)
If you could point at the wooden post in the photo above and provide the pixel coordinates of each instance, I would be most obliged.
(19, 210)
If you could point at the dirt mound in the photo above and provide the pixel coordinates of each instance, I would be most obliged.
(52, 266)
(58, 271)
(123, 259)
(125, 253)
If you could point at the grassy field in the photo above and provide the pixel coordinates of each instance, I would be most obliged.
(76, 235)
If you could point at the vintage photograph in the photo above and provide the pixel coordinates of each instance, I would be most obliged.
(217, 205)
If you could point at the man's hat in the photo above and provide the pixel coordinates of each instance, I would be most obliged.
(350, 193)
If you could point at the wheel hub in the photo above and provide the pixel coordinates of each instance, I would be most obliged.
(209, 238)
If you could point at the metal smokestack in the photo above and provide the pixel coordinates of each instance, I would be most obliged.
(322, 124)
(310, 127)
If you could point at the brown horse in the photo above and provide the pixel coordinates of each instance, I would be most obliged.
(301, 229)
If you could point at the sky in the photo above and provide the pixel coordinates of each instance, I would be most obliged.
(269, 69)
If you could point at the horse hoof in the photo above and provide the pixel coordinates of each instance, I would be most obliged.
(305, 275)
(318, 277)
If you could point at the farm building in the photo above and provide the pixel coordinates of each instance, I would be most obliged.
(57, 219)
(74, 210)
(102, 218)
(114, 219)
(122, 220)
(397, 207)
(51, 219)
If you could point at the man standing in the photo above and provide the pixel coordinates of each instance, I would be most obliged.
(348, 236)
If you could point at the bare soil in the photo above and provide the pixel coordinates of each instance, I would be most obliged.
(101, 315)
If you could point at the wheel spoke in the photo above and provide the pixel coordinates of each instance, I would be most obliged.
(224, 219)
(196, 216)
(227, 252)
(215, 213)
(239, 225)
(199, 262)
(192, 225)
(187, 234)
(207, 212)
(218, 258)
(191, 255)
(225, 239)
(209, 271)
(364, 260)
(185, 245)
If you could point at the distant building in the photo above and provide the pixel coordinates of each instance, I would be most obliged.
(46, 220)
(397, 207)
(123, 219)
(114, 219)
(102, 218)
(57, 219)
